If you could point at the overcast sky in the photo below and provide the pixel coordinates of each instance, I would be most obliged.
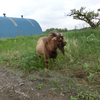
(48, 13)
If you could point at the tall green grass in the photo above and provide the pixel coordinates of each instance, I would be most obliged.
(19, 52)
(82, 53)
(84, 47)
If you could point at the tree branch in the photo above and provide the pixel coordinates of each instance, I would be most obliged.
(86, 16)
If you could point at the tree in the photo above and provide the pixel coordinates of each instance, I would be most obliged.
(57, 29)
(90, 17)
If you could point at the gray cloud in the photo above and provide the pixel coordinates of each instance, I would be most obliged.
(49, 13)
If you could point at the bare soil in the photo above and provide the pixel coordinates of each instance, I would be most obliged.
(40, 85)
(15, 85)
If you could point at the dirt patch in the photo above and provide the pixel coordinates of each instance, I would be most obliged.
(14, 86)
(40, 85)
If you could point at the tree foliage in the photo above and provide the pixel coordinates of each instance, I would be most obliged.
(57, 29)
(90, 17)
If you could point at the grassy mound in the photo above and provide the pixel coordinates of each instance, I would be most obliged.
(82, 54)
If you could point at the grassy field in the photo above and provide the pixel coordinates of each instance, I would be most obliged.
(81, 61)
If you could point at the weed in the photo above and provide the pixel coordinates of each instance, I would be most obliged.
(72, 98)
(90, 78)
(55, 83)
(39, 86)
(32, 79)
(87, 95)
(53, 89)
(45, 73)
